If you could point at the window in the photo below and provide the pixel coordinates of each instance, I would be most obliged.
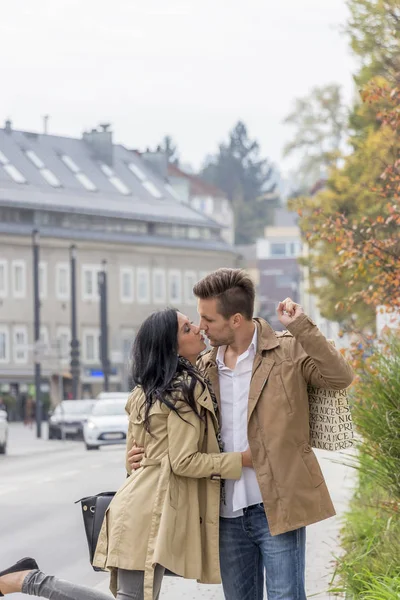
(63, 337)
(20, 344)
(287, 249)
(278, 249)
(19, 278)
(126, 284)
(150, 187)
(145, 181)
(90, 288)
(143, 285)
(190, 280)
(91, 345)
(80, 176)
(3, 279)
(295, 248)
(194, 233)
(225, 206)
(42, 280)
(128, 337)
(137, 171)
(45, 173)
(86, 182)
(11, 170)
(44, 337)
(175, 285)
(4, 344)
(159, 285)
(62, 281)
(116, 181)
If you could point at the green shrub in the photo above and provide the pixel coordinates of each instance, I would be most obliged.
(376, 414)
(383, 588)
(370, 566)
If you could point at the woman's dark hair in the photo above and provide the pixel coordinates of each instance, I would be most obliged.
(156, 365)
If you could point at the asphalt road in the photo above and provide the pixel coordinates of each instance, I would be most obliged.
(40, 480)
(39, 483)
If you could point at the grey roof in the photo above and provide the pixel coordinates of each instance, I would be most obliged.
(73, 196)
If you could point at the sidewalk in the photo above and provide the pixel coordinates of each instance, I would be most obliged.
(22, 441)
(322, 542)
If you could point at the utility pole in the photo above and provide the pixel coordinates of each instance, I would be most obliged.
(105, 363)
(74, 363)
(36, 324)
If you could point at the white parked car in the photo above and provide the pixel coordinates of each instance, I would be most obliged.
(107, 424)
(113, 395)
(3, 431)
(68, 418)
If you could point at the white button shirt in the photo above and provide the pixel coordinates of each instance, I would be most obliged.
(234, 388)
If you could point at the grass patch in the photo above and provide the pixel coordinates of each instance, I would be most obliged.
(370, 566)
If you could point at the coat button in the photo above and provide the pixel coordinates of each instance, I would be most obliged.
(307, 448)
(201, 520)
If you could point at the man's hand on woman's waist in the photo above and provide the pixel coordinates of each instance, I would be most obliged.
(135, 456)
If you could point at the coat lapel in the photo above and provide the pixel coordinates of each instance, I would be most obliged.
(263, 363)
(206, 401)
(261, 370)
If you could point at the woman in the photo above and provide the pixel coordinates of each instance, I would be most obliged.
(166, 514)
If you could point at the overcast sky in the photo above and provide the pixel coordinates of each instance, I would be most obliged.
(190, 68)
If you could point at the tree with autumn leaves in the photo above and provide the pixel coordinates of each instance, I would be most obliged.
(353, 225)
(352, 228)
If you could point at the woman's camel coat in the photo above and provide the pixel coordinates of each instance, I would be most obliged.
(167, 512)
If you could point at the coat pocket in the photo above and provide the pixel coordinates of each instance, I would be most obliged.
(311, 463)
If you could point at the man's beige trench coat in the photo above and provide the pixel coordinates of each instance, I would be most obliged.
(167, 512)
(292, 486)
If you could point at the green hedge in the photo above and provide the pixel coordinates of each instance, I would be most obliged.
(370, 566)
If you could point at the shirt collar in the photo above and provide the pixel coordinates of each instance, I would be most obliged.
(251, 349)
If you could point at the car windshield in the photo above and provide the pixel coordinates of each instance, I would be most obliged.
(75, 406)
(109, 407)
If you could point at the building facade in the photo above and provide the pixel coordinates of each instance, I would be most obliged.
(104, 200)
(277, 260)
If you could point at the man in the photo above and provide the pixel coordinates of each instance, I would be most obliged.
(260, 379)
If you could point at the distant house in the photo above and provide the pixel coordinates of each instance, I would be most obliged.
(273, 263)
(104, 199)
(279, 271)
(204, 197)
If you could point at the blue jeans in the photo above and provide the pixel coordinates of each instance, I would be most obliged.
(247, 550)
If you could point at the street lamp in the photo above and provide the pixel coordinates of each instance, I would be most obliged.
(102, 281)
(36, 325)
(74, 363)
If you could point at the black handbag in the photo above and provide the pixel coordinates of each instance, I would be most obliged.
(93, 512)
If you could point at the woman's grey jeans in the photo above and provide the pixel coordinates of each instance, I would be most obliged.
(130, 586)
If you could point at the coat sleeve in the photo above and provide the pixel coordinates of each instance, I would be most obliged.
(129, 436)
(320, 363)
(186, 460)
